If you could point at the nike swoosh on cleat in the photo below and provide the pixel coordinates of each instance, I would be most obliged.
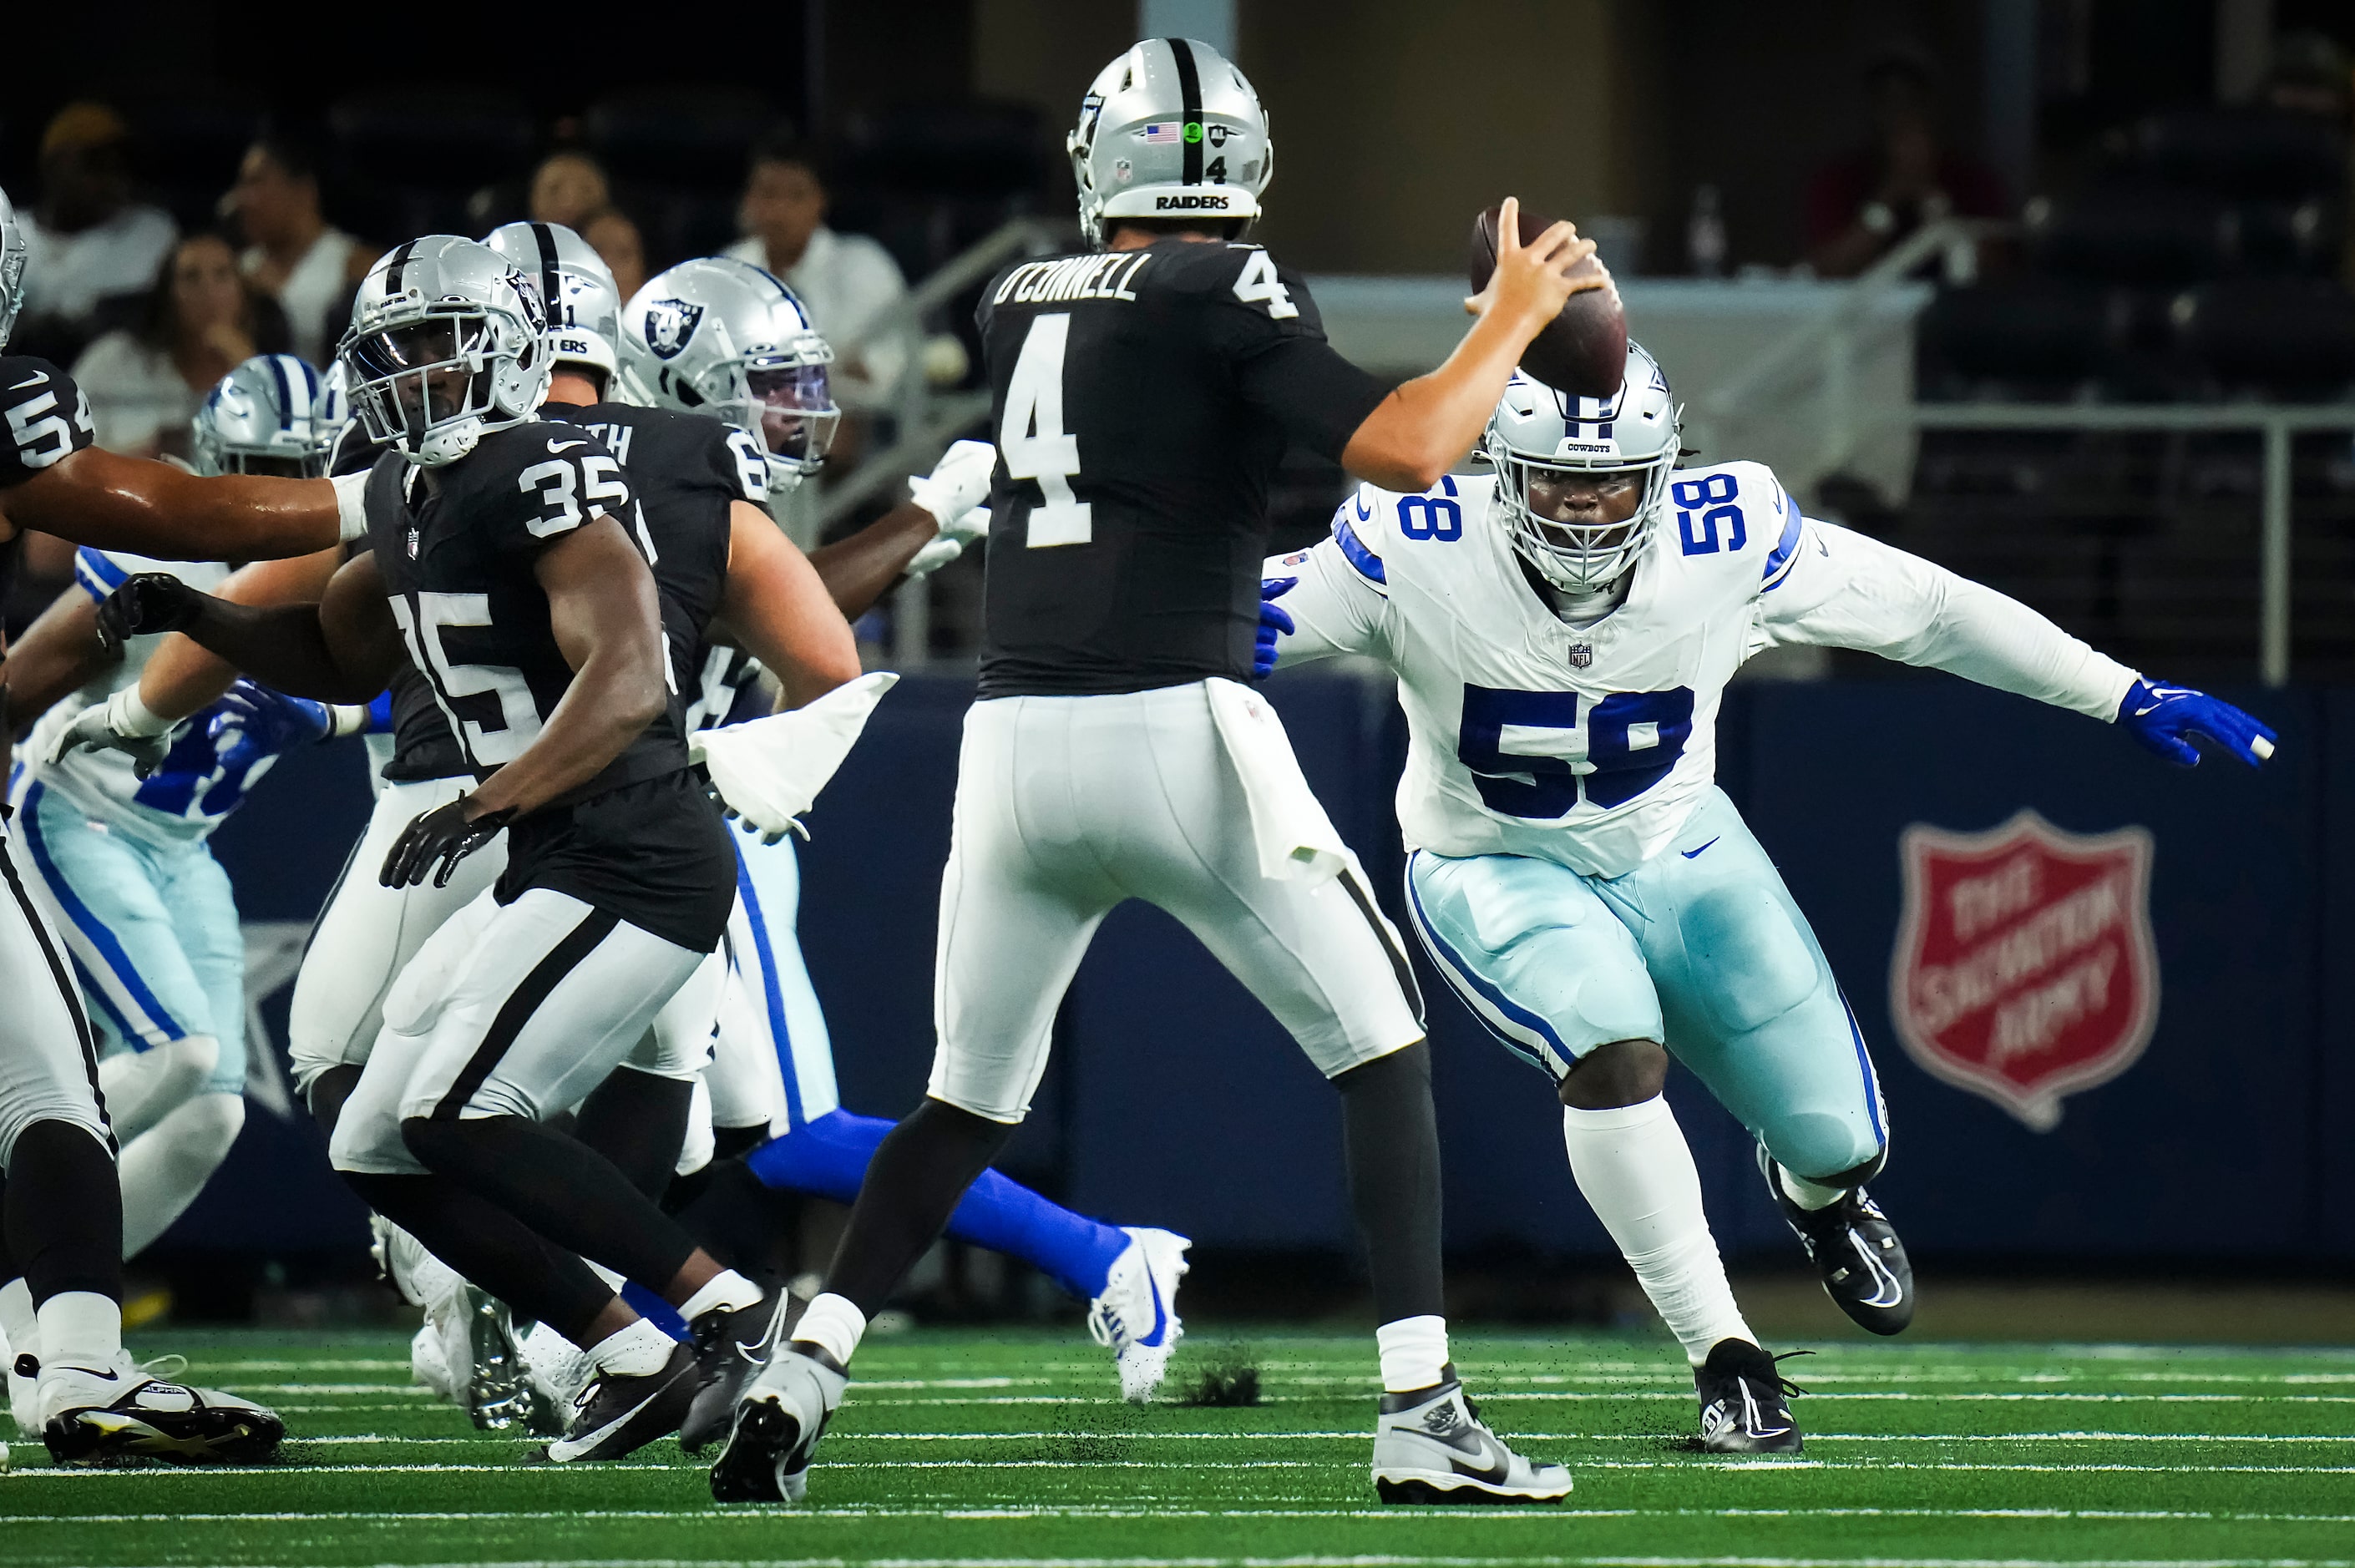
(1691, 852)
(1498, 1472)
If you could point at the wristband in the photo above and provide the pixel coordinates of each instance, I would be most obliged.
(126, 714)
(346, 719)
(351, 505)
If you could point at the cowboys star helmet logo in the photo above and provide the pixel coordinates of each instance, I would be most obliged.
(669, 325)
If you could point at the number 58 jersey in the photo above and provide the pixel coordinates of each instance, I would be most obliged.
(1592, 745)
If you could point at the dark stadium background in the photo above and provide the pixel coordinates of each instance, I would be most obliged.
(2221, 1157)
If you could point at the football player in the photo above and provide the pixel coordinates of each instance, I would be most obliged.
(114, 848)
(707, 335)
(1563, 631)
(60, 1267)
(1144, 393)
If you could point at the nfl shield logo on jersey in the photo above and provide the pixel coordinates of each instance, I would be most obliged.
(2024, 968)
(669, 325)
(1581, 655)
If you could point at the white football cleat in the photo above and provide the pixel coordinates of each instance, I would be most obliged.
(1431, 1447)
(428, 1365)
(24, 1400)
(91, 1414)
(560, 1369)
(1136, 1316)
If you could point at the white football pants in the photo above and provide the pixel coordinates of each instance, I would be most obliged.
(1068, 806)
(48, 1064)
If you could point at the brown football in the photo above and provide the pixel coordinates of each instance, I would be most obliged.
(1583, 351)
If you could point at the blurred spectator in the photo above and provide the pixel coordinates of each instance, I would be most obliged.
(2308, 75)
(292, 254)
(569, 187)
(202, 321)
(612, 235)
(88, 241)
(846, 280)
(1861, 206)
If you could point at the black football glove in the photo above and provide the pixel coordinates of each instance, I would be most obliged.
(145, 603)
(446, 835)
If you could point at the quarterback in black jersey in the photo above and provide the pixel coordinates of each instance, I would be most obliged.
(1142, 394)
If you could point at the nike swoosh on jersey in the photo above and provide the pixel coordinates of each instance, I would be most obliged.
(36, 381)
(1692, 853)
(565, 446)
(1365, 512)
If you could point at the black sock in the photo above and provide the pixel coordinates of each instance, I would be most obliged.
(1391, 1133)
(744, 1224)
(919, 1171)
(62, 1210)
(491, 1248)
(568, 1195)
(729, 1144)
(638, 1122)
(329, 1090)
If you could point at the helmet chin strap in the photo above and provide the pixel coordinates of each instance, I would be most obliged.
(1580, 609)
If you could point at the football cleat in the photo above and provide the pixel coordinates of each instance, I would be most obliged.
(731, 1349)
(91, 1414)
(1430, 1446)
(429, 1364)
(1855, 1249)
(615, 1416)
(498, 1392)
(24, 1400)
(1744, 1407)
(778, 1424)
(558, 1369)
(1136, 1316)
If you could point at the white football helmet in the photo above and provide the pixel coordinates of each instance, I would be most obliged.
(576, 290)
(444, 347)
(1171, 129)
(12, 267)
(1537, 431)
(272, 415)
(722, 338)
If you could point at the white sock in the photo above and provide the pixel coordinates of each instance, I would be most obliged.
(1637, 1171)
(638, 1351)
(163, 1169)
(80, 1327)
(17, 1322)
(141, 1086)
(726, 1289)
(1806, 1193)
(834, 1326)
(1414, 1353)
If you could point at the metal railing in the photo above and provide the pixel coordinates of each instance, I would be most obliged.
(2276, 422)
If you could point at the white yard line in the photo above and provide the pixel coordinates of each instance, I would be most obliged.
(1082, 1511)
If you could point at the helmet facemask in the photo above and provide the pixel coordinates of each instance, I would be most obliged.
(783, 400)
(1580, 525)
(428, 381)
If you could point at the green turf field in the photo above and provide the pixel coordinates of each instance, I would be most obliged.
(1003, 1451)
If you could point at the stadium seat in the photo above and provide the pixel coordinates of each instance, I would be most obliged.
(2244, 154)
(412, 157)
(2282, 337)
(2026, 337)
(2139, 233)
(675, 137)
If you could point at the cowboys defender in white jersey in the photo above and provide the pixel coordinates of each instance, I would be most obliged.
(115, 848)
(1144, 393)
(1562, 631)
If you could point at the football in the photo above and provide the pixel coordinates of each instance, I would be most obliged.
(1583, 351)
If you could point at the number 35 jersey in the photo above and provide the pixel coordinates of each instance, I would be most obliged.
(1592, 745)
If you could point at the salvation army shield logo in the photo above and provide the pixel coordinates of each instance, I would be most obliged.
(2024, 968)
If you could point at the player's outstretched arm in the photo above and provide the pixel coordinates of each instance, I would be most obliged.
(182, 675)
(603, 607)
(1425, 428)
(919, 536)
(776, 607)
(97, 497)
(341, 649)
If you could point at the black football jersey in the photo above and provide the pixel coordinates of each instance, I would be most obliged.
(1141, 401)
(47, 418)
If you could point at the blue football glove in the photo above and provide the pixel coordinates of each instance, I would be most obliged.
(2162, 719)
(1275, 621)
(251, 722)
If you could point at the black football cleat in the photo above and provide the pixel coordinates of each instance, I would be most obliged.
(1856, 1251)
(1744, 1402)
(731, 1349)
(615, 1416)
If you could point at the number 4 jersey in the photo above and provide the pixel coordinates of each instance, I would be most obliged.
(1590, 746)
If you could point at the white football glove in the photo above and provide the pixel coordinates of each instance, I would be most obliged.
(121, 723)
(770, 770)
(950, 543)
(958, 482)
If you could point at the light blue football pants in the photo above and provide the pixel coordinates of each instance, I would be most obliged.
(153, 932)
(1700, 948)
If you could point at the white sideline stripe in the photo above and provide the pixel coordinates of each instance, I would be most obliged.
(1082, 1511)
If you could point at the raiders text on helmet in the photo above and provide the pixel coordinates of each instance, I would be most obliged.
(12, 267)
(272, 415)
(444, 347)
(1537, 431)
(722, 338)
(576, 290)
(1171, 126)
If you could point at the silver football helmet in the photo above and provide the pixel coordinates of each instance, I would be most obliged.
(272, 415)
(1538, 434)
(12, 267)
(576, 289)
(722, 338)
(1171, 129)
(444, 347)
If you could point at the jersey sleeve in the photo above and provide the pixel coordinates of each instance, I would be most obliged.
(98, 573)
(558, 484)
(1841, 589)
(1260, 319)
(46, 418)
(1340, 596)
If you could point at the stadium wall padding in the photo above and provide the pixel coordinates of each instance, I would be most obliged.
(1176, 1101)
